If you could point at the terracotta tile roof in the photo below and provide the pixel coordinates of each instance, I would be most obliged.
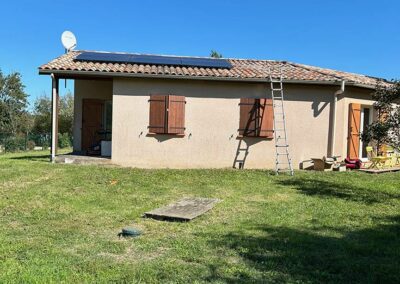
(243, 69)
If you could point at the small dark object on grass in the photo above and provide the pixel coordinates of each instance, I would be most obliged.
(129, 232)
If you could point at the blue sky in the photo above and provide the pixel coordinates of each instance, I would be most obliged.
(355, 36)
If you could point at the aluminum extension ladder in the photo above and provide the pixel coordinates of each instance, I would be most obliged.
(283, 162)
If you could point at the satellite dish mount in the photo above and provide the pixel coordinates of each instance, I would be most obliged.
(68, 40)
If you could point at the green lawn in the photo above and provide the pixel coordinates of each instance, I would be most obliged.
(59, 223)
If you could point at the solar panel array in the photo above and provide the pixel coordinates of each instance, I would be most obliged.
(154, 59)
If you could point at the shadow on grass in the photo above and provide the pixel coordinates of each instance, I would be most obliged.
(340, 189)
(32, 157)
(289, 255)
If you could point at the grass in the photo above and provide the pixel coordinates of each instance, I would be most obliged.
(59, 223)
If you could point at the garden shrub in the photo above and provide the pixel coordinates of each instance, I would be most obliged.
(64, 140)
(14, 144)
(30, 145)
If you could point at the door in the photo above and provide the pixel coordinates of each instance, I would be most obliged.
(366, 119)
(353, 139)
(92, 122)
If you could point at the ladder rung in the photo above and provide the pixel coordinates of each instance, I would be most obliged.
(281, 145)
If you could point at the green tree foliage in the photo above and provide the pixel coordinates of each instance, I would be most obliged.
(66, 118)
(13, 105)
(386, 129)
(42, 115)
(64, 140)
(215, 54)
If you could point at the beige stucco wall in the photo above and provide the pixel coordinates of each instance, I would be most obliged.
(212, 119)
(87, 89)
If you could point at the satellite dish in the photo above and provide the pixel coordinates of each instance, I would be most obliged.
(68, 40)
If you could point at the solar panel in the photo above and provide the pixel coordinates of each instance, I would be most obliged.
(103, 57)
(153, 59)
(205, 62)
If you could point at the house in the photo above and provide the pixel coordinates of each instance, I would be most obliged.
(185, 112)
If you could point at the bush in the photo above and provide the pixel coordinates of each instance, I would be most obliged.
(14, 144)
(45, 144)
(30, 145)
(64, 140)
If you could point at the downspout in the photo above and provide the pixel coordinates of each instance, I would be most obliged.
(53, 117)
(333, 135)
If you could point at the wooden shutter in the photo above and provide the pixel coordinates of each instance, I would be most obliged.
(353, 139)
(266, 128)
(248, 117)
(256, 118)
(158, 114)
(176, 114)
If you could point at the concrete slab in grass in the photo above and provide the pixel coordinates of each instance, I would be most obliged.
(185, 209)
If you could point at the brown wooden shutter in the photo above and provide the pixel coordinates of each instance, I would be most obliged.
(266, 114)
(176, 114)
(248, 117)
(353, 139)
(158, 114)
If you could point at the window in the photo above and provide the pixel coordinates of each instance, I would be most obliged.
(256, 118)
(167, 114)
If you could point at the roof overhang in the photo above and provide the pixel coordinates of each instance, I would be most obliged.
(72, 74)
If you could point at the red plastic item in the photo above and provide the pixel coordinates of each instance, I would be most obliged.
(353, 163)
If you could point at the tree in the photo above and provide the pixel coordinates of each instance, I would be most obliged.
(13, 104)
(42, 114)
(215, 54)
(386, 128)
(66, 118)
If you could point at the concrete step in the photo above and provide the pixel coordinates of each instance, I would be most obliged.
(82, 160)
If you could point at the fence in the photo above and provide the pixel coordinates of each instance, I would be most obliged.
(29, 141)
